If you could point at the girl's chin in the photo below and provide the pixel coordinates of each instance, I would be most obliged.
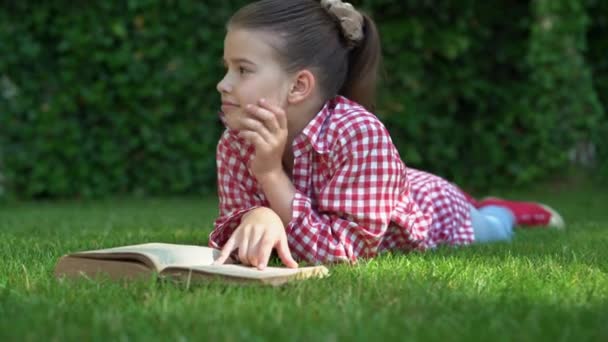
(230, 120)
(233, 127)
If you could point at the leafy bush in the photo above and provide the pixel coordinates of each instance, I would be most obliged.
(562, 83)
(598, 58)
(478, 92)
(110, 97)
(119, 97)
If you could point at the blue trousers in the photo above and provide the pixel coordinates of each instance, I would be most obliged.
(492, 223)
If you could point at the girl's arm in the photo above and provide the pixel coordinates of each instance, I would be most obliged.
(266, 129)
(279, 192)
(236, 188)
(245, 223)
(254, 233)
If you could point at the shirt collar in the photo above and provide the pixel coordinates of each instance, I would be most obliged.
(316, 128)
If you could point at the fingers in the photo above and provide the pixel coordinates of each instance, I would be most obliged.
(273, 116)
(264, 116)
(254, 245)
(243, 250)
(226, 250)
(255, 126)
(264, 250)
(278, 112)
(285, 254)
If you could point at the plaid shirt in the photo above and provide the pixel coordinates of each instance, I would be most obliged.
(354, 196)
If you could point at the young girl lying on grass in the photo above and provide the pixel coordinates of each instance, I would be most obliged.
(306, 168)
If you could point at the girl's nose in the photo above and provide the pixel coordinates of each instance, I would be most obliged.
(223, 86)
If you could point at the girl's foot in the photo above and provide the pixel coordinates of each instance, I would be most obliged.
(528, 213)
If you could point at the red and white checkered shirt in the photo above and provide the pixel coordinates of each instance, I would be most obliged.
(354, 196)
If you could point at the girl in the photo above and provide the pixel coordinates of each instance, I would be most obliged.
(306, 169)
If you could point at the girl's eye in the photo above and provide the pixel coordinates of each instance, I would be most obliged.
(243, 70)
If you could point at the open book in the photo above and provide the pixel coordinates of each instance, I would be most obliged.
(181, 262)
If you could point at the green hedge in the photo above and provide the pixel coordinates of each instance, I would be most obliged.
(456, 74)
(119, 97)
(478, 92)
(107, 98)
(598, 57)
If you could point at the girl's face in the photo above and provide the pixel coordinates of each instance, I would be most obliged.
(252, 72)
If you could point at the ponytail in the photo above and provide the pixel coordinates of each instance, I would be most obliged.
(364, 62)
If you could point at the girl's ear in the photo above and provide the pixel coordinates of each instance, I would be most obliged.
(302, 88)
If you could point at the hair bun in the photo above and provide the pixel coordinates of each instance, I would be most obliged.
(351, 21)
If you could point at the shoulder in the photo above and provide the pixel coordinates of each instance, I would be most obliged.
(351, 123)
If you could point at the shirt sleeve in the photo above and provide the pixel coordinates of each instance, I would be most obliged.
(350, 216)
(237, 189)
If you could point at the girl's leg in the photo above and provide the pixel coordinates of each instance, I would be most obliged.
(492, 223)
(527, 214)
(530, 214)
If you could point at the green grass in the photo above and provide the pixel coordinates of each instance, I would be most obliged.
(546, 285)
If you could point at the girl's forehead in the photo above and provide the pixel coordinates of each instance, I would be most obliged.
(252, 42)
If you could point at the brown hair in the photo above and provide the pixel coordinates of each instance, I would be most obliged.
(312, 38)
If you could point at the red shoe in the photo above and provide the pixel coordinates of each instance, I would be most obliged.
(528, 213)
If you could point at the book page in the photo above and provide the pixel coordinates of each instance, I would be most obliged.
(248, 272)
(161, 255)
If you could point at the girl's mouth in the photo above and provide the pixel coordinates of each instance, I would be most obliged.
(227, 106)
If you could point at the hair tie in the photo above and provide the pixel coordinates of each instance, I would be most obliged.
(351, 21)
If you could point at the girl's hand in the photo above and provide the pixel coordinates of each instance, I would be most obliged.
(266, 129)
(260, 231)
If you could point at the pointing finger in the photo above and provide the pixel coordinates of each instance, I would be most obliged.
(226, 250)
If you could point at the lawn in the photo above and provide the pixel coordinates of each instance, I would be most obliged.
(545, 285)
